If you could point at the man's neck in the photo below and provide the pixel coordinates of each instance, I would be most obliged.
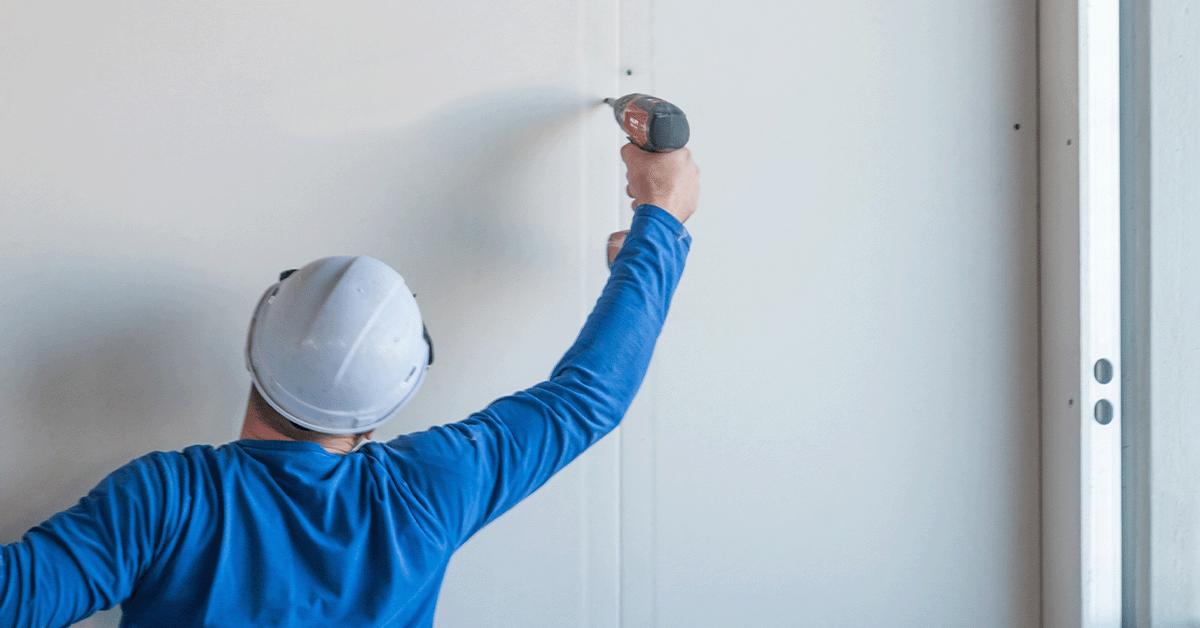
(262, 422)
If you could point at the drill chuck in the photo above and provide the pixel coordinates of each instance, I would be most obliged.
(652, 124)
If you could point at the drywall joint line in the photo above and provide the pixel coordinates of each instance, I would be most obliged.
(638, 521)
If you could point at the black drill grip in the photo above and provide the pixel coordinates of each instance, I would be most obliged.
(652, 124)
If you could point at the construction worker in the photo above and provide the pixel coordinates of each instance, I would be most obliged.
(304, 521)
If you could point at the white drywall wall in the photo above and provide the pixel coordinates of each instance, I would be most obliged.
(160, 164)
(846, 407)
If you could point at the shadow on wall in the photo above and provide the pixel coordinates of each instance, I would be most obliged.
(102, 362)
(490, 238)
(105, 359)
(478, 203)
(457, 183)
(486, 156)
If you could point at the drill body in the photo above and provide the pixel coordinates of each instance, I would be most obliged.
(652, 124)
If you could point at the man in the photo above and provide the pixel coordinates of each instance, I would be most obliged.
(304, 521)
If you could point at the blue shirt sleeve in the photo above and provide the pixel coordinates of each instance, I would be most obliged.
(466, 474)
(87, 558)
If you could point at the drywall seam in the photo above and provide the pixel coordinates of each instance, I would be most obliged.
(599, 215)
(637, 434)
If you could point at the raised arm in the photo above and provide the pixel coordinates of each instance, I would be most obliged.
(468, 473)
(88, 558)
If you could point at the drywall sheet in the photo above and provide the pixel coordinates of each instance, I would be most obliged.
(161, 163)
(846, 418)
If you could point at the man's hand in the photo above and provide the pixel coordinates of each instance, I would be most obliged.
(668, 180)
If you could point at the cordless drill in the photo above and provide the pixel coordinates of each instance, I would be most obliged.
(653, 125)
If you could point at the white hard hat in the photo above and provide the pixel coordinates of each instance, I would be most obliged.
(338, 346)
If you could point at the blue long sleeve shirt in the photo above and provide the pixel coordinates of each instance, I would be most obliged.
(284, 533)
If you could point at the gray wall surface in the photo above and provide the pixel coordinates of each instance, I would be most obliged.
(840, 428)
(1161, 307)
(847, 418)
